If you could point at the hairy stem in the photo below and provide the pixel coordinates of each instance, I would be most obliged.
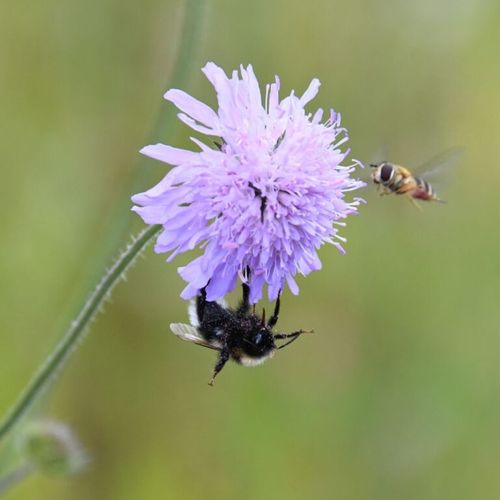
(76, 330)
(14, 477)
(190, 42)
(187, 58)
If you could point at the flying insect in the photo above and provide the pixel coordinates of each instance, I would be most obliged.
(392, 178)
(399, 180)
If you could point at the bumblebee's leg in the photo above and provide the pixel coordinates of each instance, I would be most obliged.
(221, 361)
(274, 318)
(292, 336)
(293, 339)
(244, 307)
(201, 300)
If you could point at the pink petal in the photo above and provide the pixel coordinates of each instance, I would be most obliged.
(194, 108)
(311, 92)
(169, 154)
(292, 285)
(152, 214)
(253, 88)
(196, 126)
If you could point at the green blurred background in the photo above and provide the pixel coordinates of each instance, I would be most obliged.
(398, 393)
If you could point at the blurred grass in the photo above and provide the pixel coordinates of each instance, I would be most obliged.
(397, 394)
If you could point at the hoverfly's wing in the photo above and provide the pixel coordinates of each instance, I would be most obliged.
(380, 155)
(190, 334)
(438, 165)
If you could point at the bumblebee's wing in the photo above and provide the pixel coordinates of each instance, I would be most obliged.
(190, 334)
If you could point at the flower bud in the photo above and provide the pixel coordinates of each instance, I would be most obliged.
(52, 448)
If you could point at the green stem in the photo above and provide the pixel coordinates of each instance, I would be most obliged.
(187, 55)
(190, 43)
(76, 330)
(14, 477)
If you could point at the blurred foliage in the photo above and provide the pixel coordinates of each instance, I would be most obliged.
(397, 395)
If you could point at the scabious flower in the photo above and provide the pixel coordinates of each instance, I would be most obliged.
(52, 448)
(261, 198)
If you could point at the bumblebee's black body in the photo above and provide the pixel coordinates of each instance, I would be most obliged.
(242, 335)
(237, 334)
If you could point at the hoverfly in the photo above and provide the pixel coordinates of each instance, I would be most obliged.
(238, 334)
(392, 178)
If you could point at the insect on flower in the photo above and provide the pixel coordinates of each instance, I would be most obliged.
(237, 334)
(265, 197)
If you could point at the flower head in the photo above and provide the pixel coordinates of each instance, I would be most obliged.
(52, 448)
(262, 200)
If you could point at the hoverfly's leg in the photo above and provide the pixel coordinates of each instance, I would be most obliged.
(221, 361)
(201, 300)
(274, 318)
(415, 204)
(292, 336)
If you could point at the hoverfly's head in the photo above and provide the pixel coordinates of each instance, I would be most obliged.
(383, 172)
(375, 175)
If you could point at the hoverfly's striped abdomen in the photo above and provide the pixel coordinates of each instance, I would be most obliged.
(423, 190)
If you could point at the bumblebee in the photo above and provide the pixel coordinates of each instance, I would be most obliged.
(237, 334)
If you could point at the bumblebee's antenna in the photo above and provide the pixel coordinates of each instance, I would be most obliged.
(263, 317)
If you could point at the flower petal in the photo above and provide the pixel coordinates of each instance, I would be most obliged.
(194, 108)
(311, 92)
(169, 154)
(196, 126)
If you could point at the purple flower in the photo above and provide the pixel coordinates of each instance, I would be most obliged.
(264, 198)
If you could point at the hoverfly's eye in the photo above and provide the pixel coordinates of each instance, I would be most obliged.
(258, 338)
(386, 173)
